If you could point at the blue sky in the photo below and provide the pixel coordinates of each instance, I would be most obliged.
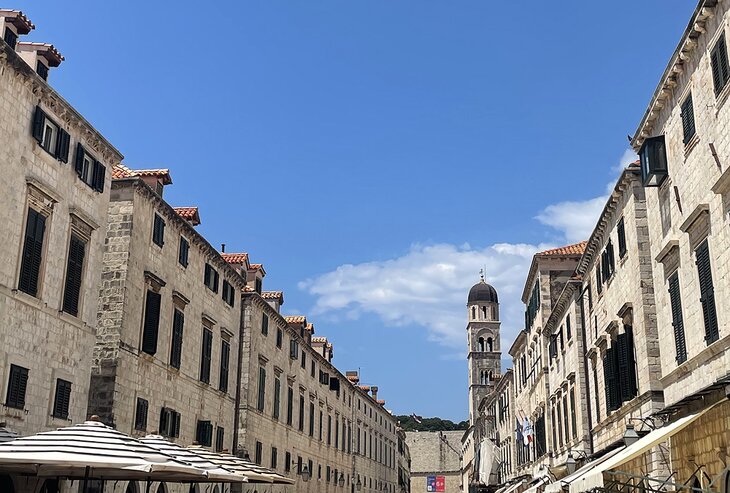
(375, 155)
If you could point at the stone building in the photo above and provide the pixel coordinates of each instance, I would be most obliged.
(435, 460)
(166, 355)
(55, 196)
(404, 463)
(549, 273)
(683, 142)
(301, 416)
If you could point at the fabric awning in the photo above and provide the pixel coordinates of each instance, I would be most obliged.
(214, 473)
(253, 472)
(557, 486)
(538, 483)
(510, 487)
(92, 450)
(594, 477)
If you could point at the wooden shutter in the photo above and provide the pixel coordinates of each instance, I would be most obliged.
(225, 361)
(165, 422)
(707, 292)
(688, 119)
(626, 366)
(140, 415)
(74, 273)
(32, 252)
(151, 322)
(79, 162)
(39, 121)
(724, 68)
(716, 74)
(599, 279)
(206, 356)
(277, 398)
(262, 389)
(178, 324)
(62, 145)
(608, 379)
(207, 276)
(17, 385)
(621, 231)
(175, 424)
(62, 400)
(99, 177)
(219, 433)
(675, 299)
(215, 280)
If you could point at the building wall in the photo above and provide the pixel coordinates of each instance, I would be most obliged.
(36, 334)
(122, 372)
(357, 409)
(435, 453)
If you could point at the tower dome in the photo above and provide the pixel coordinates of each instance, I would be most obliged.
(482, 292)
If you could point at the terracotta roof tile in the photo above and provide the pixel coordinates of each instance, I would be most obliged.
(295, 319)
(235, 258)
(190, 214)
(272, 295)
(575, 249)
(18, 19)
(122, 171)
(256, 266)
(381, 402)
(365, 388)
(319, 339)
(310, 328)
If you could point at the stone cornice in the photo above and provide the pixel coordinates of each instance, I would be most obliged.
(49, 98)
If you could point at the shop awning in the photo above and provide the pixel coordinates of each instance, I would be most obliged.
(537, 484)
(594, 478)
(557, 486)
(510, 487)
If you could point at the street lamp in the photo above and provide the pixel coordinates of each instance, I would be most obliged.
(341, 481)
(304, 473)
(570, 463)
(358, 485)
(630, 435)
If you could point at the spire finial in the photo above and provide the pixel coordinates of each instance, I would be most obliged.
(481, 274)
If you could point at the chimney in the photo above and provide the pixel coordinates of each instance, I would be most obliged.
(223, 248)
(40, 56)
(374, 390)
(353, 376)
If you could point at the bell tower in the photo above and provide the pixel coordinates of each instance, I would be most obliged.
(484, 354)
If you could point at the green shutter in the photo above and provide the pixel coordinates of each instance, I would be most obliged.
(707, 292)
(74, 273)
(151, 322)
(39, 121)
(32, 252)
(675, 298)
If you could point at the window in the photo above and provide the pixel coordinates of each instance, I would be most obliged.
(688, 119)
(554, 427)
(183, 252)
(229, 293)
(140, 414)
(158, 231)
(258, 453)
(312, 371)
(261, 402)
(88, 169)
(277, 397)
(211, 278)
(178, 322)
(30, 266)
(311, 419)
(169, 422)
(653, 157)
(565, 417)
(206, 353)
(558, 424)
(10, 37)
(274, 457)
(675, 299)
(707, 292)
(621, 232)
(293, 348)
(74, 274)
(151, 322)
(329, 429)
(287, 462)
(225, 366)
(265, 329)
(301, 413)
(573, 413)
(52, 138)
(220, 433)
(62, 399)
(599, 279)
(289, 406)
(42, 69)
(259, 285)
(719, 62)
(568, 331)
(562, 340)
(303, 362)
(204, 433)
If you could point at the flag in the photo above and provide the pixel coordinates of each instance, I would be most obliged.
(417, 418)
(527, 431)
(518, 431)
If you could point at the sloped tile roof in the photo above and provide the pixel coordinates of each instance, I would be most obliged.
(190, 214)
(122, 171)
(272, 295)
(295, 319)
(319, 339)
(18, 19)
(235, 258)
(575, 249)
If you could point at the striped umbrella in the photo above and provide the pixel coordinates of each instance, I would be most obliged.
(92, 450)
(214, 472)
(6, 435)
(254, 472)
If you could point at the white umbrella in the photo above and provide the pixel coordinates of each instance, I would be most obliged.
(214, 472)
(92, 450)
(6, 435)
(254, 472)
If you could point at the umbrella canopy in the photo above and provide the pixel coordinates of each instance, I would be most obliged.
(6, 435)
(214, 472)
(92, 450)
(254, 472)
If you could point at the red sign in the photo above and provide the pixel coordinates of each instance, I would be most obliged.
(436, 483)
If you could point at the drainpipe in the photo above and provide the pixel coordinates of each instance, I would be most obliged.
(239, 370)
(585, 368)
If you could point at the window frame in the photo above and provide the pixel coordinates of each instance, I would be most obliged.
(23, 374)
(158, 230)
(62, 399)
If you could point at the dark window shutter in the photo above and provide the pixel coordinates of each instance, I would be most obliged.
(599, 279)
(675, 298)
(62, 145)
(626, 366)
(175, 424)
(724, 67)
(151, 322)
(17, 385)
(140, 415)
(215, 280)
(633, 381)
(74, 272)
(262, 389)
(225, 362)
(62, 399)
(158, 230)
(99, 176)
(178, 324)
(79, 162)
(183, 253)
(206, 276)
(688, 119)
(219, 434)
(621, 230)
(716, 75)
(39, 121)
(206, 356)
(707, 292)
(32, 252)
(608, 378)
(165, 422)
(335, 384)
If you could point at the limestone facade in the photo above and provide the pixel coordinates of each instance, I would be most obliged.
(435, 454)
(53, 222)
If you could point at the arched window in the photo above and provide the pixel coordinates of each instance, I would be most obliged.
(490, 376)
(489, 344)
(481, 344)
(473, 312)
(484, 312)
(494, 312)
(132, 487)
(6, 484)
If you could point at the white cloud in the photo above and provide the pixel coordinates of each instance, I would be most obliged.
(427, 286)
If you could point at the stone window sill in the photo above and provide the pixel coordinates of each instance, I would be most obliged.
(689, 146)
